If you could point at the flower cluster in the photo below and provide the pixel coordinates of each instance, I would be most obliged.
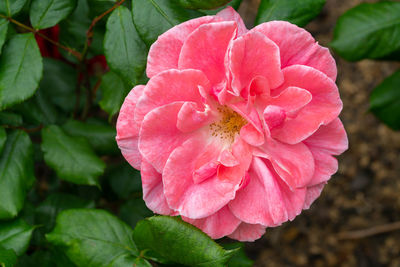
(236, 129)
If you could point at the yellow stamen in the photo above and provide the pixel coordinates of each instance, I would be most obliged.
(229, 124)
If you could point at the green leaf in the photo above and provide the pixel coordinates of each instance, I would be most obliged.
(58, 83)
(16, 173)
(9, 118)
(3, 32)
(368, 31)
(114, 91)
(385, 101)
(154, 17)
(11, 7)
(98, 7)
(73, 30)
(72, 158)
(47, 258)
(15, 235)
(133, 211)
(100, 136)
(38, 110)
(7, 257)
(239, 259)
(234, 3)
(48, 210)
(124, 180)
(201, 4)
(125, 51)
(296, 12)
(95, 238)
(3, 137)
(20, 69)
(180, 242)
(47, 13)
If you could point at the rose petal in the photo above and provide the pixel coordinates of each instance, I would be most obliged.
(164, 53)
(128, 130)
(230, 14)
(313, 193)
(159, 135)
(191, 118)
(298, 47)
(293, 163)
(217, 225)
(254, 55)
(248, 232)
(330, 138)
(325, 166)
(324, 107)
(196, 200)
(153, 192)
(171, 86)
(260, 202)
(291, 99)
(203, 51)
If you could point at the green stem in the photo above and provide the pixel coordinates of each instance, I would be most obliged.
(30, 29)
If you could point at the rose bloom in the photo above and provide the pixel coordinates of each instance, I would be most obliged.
(236, 128)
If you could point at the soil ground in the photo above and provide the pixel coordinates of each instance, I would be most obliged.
(364, 194)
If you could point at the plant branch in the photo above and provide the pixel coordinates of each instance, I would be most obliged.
(89, 32)
(83, 70)
(379, 229)
(30, 29)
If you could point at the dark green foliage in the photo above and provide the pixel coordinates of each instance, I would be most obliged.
(368, 31)
(16, 173)
(72, 158)
(201, 4)
(174, 240)
(15, 235)
(7, 257)
(372, 30)
(153, 17)
(123, 48)
(47, 13)
(20, 69)
(385, 101)
(297, 12)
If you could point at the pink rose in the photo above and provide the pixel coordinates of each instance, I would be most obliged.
(236, 129)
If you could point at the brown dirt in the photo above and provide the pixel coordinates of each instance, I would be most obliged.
(364, 193)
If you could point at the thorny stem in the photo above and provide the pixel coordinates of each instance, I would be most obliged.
(30, 29)
(89, 36)
(89, 33)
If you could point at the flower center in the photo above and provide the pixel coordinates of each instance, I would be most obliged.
(229, 124)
